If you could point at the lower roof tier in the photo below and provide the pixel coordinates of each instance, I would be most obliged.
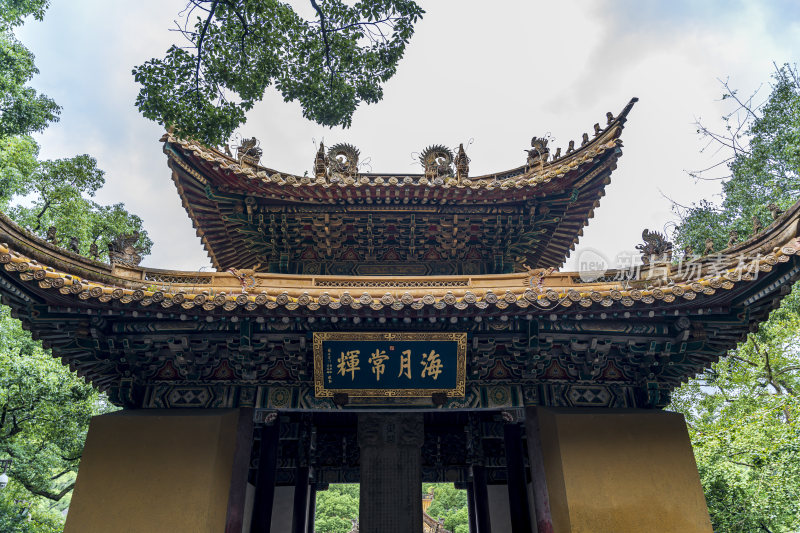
(158, 338)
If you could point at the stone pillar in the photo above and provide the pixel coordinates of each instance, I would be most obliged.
(517, 479)
(163, 470)
(249, 500)
(391, 472)
(481, 495)
(300, 500)
(312, 507)
(282, 510)
(499, 513)
(265, 478)
(473, 525)
(531, 507)
(604, 471)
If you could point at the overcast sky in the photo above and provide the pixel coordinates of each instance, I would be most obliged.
(496, 73)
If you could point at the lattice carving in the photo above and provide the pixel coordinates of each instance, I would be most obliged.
(389, 283)
(176, 278)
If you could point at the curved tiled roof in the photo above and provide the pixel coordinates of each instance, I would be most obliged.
(244, 212)
(515, 178)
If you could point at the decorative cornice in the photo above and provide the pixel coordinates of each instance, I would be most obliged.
(296, 292)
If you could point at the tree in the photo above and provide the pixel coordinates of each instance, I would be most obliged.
(449, 504)
(238, 48)
(57, 192)
(743, 420)
(337, 507)
(18, 158)
(744, 411)
(44, 413)
(762, 143)
(44, 407)
(22, 109)
(19, 515)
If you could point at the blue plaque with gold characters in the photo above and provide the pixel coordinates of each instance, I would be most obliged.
(389, 364)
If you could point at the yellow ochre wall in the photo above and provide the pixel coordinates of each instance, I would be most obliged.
(621, 471)
(155, 471)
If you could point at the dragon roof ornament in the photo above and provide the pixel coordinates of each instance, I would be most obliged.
(656, 247)
(538, 154)
(122, 250)
(437, 160)
(337, 164)
(342, 161)
(248, 152)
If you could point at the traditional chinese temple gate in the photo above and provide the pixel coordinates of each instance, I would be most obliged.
(390, 330)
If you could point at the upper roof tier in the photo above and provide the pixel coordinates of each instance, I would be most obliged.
(441, 222)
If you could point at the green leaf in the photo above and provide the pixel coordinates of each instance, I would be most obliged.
(329, 65)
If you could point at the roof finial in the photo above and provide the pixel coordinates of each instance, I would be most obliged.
(437, 160)
(756, 224)
(321, 162)
(122, 250)
(52, 236)
(462, 163)
(248, 152)
(342, 161)
(709, 246)
(733, 236)
(656, 247)
(538, 153)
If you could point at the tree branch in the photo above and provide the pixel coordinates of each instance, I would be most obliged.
(245, 26)
(732, 94)
(200, 39)
(375, 23)
(55, 496)
(324, 32)
(788, 369)
(742, 359)
(39, 216)
(62, 473)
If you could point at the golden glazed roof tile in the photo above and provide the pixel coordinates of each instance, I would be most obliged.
(519, 177)
(293, 292)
